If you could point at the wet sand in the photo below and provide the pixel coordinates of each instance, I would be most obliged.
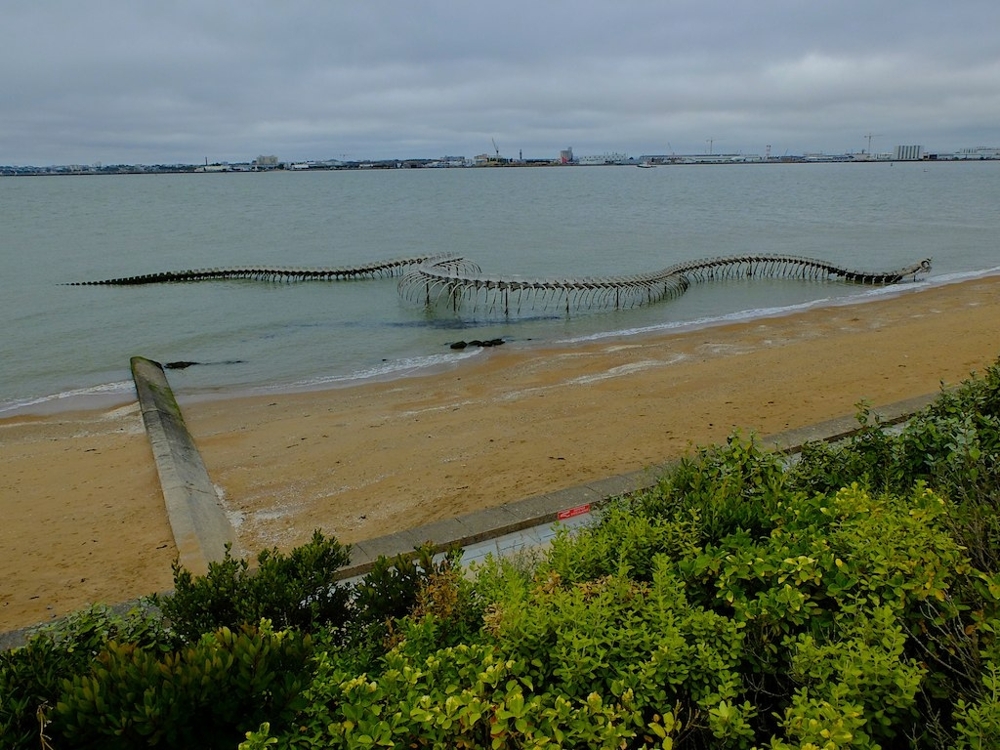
(84, 518)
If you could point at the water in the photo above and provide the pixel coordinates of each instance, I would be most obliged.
(68, 346)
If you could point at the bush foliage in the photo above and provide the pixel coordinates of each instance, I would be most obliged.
(298, 590)
(31, 677)
(847, 599)
(199, 696)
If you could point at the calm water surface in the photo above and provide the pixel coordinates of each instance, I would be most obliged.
(67, 346)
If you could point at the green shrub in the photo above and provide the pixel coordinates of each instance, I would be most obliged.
(868, 458)
(31, 676)
(628, 540)
(299, 590)
(724, 489)
(818, 724)
(977, 722)
(29, 683)
(953, 446)
(390, 589)
(866, 665)
(497, 578)
(626, 640)
(407, 584)
(829, 571)
(204, 695)
(461, 697)
(446, 612)
(836, 621)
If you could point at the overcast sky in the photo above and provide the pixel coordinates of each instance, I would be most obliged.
(131, 81)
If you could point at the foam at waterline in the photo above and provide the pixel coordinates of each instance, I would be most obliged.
(390, 370)
(89, 397)
(761, 313)
(960, 276)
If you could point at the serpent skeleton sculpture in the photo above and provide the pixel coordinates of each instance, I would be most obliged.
(459, 283)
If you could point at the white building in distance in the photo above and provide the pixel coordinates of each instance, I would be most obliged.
(908, 153)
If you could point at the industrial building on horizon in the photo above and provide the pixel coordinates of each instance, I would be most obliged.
(566, 157)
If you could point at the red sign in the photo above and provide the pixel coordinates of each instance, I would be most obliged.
(579, 510)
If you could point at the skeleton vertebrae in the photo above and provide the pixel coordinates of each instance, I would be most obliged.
(459, 284)
(378, 269)
(452, 281)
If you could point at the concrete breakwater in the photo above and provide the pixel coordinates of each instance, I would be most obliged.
(200, 527)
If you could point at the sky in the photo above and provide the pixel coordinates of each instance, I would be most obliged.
(136, 82)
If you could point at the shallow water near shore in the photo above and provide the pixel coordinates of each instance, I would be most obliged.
(68, 347)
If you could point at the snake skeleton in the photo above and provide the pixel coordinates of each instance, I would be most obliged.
(453, 281)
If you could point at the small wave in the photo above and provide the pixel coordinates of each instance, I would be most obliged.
(759, 313)
(82, 397)
(703, 322)
(959, 276)
(386, 371)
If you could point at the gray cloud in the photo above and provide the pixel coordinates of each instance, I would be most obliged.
(118, 81)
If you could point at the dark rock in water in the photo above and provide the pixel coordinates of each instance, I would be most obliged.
(183, 364)
(476, 342)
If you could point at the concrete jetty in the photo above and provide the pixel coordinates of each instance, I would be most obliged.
(199, 523)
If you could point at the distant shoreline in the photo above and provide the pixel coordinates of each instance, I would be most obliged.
(392, 164)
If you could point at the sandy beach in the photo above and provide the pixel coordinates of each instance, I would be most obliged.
(84, 519)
